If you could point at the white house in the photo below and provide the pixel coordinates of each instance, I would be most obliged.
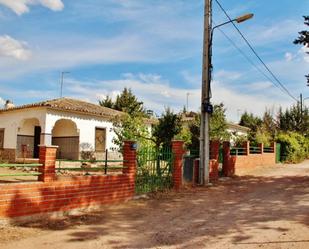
(64, 122)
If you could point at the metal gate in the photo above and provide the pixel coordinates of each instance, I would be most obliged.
(154, 170)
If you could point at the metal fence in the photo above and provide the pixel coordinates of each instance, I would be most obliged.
(11, 170)
(154, 170)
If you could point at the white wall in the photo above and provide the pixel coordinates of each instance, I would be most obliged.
(85, 126)
(12, 121)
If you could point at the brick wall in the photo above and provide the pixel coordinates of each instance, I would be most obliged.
(67, 193)
(237, 164)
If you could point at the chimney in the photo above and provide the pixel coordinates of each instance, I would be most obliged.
(8, 104)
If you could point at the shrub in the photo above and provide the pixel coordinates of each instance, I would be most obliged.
(295, 147)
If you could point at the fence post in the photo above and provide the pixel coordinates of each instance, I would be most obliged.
(226, 158)
(47, 157)
(246, 146)
(178, 151)
(214, 160)
(129, 157)
(261, 146)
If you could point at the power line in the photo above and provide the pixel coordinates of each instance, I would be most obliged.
(248, 59)
(255, 53)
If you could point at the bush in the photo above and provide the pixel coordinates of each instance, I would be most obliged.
(294, 146)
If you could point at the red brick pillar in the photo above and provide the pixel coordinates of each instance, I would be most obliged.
(214, 149)
(129, 157)
(47, 157)
(261, 147)
(178, 151)
(214, 161)
(246, 146)
(228, 165)
(273, 146)
(226, 156)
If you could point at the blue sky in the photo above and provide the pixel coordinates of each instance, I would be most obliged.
(151, 46)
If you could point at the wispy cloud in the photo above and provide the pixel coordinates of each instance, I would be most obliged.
(10, 47)
(2, 102)
(157, 93)
(22, 6)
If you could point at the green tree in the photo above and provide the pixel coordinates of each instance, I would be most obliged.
(303, 39)
(218, 127)
(131, 127)
(128, 102)
(294, 119)
(218, 124)
(252, 122)
(107, 102)
(168, 127)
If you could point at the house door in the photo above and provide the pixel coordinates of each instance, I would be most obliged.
(37, 134)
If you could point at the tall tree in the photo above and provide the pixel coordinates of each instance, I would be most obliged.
(294, 120)
(252, 122)
(107, 102)
(303, 39)
(168, 127)
(218, 127)
(128, 102)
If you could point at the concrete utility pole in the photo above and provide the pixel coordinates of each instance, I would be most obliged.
(188, 101)
(61, 82)
(205, 100)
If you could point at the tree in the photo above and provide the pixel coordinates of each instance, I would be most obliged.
(294, 120)
(218, 124)
(168, 127)
(107, 102)
(125, 102)
(252, 122)
(218, 127)
(128, 102)
(303, 39)
(131, 127)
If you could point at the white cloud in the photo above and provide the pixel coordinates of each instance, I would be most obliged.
(2, 102)
(158, 93)
(288, 56)
(262, 85)
(9, 47)
(22, 6)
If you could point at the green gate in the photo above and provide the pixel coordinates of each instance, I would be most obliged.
(154, 170)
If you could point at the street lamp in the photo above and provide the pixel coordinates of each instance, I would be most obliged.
(206, 107)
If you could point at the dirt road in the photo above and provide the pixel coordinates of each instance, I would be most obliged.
(265, 209)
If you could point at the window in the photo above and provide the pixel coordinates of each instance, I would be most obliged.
(1, 138)
(100, 139)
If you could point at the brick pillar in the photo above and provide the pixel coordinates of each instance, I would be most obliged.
(214, 160)
(47, 157)
(214, 149)
(261, 146)
(226, 156)
(228, 166)
(178, 151)
(129, 157)
(246, 146)
(273, 146)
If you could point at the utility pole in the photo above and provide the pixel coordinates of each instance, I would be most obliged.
(205, 99)
(188, 101)
(301, 109)
(61, 82)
